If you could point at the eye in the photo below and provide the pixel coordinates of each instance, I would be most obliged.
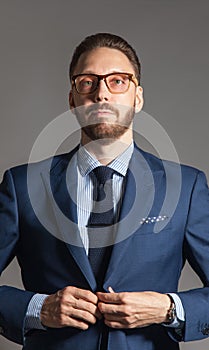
(117, 81)
(86, 82)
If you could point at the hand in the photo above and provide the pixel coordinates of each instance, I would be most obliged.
(71, 307)
(133, 309)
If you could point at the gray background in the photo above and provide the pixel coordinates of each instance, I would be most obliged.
(37, 39)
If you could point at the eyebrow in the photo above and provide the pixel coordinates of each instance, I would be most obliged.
(114, 71)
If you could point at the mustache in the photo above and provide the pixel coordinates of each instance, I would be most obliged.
(103, 106)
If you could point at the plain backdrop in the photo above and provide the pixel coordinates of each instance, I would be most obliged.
(37, 39)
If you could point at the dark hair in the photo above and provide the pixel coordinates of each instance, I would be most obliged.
(106, 40)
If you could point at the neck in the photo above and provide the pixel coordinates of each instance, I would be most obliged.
(105, 151)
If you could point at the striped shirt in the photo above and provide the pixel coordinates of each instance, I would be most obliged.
(85, 164)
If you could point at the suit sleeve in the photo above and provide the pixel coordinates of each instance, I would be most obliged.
(13, 301)
(196, 250)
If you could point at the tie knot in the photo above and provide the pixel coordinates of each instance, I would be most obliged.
(103, 173)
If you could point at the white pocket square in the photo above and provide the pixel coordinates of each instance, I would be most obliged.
(153, 219)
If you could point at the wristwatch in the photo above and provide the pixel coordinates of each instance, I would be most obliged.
(171, 313)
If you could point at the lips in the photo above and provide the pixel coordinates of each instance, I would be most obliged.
(103, 111)
(101, 115)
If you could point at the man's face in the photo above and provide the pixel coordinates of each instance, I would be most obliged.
(102, 114)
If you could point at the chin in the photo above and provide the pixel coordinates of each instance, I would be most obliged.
(105, 132)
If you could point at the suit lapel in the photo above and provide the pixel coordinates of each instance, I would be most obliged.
(142, 186)
(62, 192)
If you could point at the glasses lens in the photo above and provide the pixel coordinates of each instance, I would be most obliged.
(118, 82)
(86, 84)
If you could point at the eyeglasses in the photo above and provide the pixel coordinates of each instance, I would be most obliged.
(117, 82)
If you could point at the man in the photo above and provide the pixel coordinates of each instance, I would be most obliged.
(110, 280)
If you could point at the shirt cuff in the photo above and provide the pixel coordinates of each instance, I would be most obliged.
(32, 319)
(180, 314)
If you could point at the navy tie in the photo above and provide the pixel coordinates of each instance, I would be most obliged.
(102, 216)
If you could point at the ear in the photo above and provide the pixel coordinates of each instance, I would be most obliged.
(71, 101)
(139, 100)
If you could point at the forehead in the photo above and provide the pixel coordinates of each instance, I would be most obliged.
(103, 60)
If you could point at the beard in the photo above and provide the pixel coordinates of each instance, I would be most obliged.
(97, 128)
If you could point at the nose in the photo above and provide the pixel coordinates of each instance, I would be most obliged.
(102, 92)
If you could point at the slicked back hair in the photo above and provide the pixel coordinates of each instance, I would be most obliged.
(110, 41)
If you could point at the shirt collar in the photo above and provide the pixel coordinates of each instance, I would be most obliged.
(86, 162)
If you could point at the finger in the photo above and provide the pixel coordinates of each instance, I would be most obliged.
(57, 317)
(113, 318)
(119, 325)
(112, 309)
(113, 324)
(66, 312)
(123, 322)
(80, 325)
(85, 316)
(69, 305)
(72, 292)
(63, 309)
(87, 306)
(76, 323)
(84, 305)
(110, 289)
(82, 294)
(112, 298)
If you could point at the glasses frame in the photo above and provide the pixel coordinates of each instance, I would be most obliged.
(100, 77)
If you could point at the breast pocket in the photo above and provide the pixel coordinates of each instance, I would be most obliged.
(157, 246)
(154, 225)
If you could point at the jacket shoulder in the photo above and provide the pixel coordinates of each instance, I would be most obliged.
(157, 163)
(42, 165)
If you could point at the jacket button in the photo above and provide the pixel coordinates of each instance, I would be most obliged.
(1, 330)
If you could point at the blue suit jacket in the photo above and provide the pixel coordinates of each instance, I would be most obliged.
(38, 219)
